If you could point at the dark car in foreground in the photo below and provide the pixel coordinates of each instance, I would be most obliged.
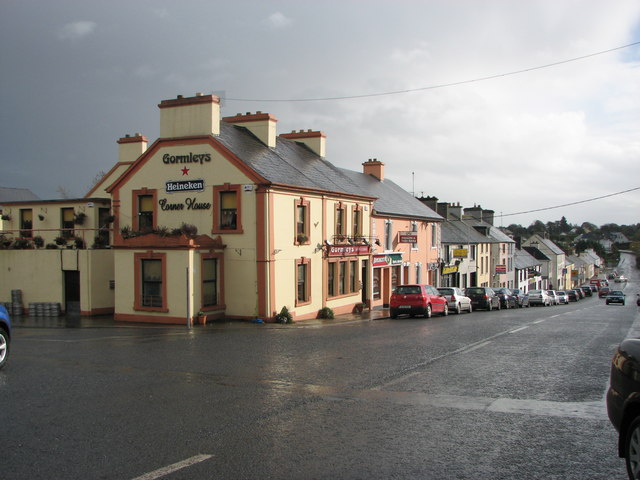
(483, 297)
(615, 296)
(5, 336)
(417, 300)
(507, 298)
(623, 402)
(522, 298)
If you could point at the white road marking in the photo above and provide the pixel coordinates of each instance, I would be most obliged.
(518, 329)
(161, 472)
(540, 321)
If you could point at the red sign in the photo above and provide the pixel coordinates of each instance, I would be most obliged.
(347, 250)
(408, 237)
(501, 269)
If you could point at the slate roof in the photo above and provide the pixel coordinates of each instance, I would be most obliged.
(495, 234)
(457, 232)
(293, 163)
(8, 194)
(537, 254)
(523, 259)
(555, 249)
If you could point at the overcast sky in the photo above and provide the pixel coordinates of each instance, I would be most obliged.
(76, 75)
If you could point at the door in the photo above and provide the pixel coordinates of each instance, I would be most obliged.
(365, 282)
(72, 291)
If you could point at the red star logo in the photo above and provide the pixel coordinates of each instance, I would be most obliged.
(185, 171)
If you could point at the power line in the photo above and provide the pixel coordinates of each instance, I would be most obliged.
(432, 87)
(572, 203)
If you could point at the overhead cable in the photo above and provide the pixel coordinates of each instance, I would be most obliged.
(431, 87)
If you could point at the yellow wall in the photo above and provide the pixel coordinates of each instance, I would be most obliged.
(39, 274)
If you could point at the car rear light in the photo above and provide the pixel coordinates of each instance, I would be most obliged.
(453, 298)
(486, 297)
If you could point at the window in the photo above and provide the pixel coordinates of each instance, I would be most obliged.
(331, 275)
(209, 282)
(473, 252)
(302, 221)
(340, 226)
(357, 222)
(388, 232)
(151, 283)
(26, 222)
(342, 278)
(418, 273)
(414, 228)
(434, 235)
(227, 209)
(303, 281)
(66, 222)
(144, 204)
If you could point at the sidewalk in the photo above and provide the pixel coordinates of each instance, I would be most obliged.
(106, 321)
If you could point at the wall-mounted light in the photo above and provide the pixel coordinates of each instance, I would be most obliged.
(276, 251)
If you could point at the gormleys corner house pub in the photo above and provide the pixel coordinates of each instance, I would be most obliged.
(227, 219)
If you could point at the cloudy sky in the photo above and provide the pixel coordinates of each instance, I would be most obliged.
(428, 87)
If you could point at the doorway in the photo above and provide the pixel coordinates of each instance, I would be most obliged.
(72, 291)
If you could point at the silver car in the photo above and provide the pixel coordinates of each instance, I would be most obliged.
(562, 297)
(456, 299)
(540, 297)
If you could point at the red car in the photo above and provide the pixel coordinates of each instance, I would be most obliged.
(417, 300)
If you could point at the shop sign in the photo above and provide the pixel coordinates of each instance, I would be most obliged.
(387, 260)
(347, 250)
(449, 270)
(174, 186)
(460, 253)
(187, 158)
(501, 269)
(575, 274)
(188, 204)
(408, 237)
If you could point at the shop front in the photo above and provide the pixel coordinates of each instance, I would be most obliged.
(387, 274)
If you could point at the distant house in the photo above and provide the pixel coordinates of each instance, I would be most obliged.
(8, 194)
(528, 271)
(557, 267)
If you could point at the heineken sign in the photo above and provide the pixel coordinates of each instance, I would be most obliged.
(184, 186)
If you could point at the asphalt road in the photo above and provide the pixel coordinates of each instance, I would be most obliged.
(488, 395)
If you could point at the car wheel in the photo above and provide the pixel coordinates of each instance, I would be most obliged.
(4, 348)
(445, 312)
(632, 449)
(458, 309)
(427, 313)
(490, 307)
(393, 313)
(499, 306)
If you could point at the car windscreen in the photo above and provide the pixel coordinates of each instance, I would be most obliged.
(408, 290)
(446, 291)
(475, 291)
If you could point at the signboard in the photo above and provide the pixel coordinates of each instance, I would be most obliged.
(501, 269)
(387, 260)
(347, 250)
(460, 253)
(408, 237)
(449, 270)
(173, 186)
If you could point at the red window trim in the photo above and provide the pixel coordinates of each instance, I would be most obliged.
(307, 283)
(216, 208)
(134, 207)
(138, 257)
(307, 219)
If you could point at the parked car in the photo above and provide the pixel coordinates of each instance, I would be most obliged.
(621, 279)
(587, 290)
(562, 297)
(603, 292)
(507, 298)
(5, 336)
(483, 297)
(573, 296)
(523, 298)
(581, 293)
(539, 297)
(457, 300)
(623, 403)
(417, 300)
(554, 298)
(615, 296)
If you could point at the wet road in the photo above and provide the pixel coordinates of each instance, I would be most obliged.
(487, 395)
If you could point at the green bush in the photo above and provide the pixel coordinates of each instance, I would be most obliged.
(284, 316)
(326, 312)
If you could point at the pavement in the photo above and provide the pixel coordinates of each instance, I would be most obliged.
(71, 320)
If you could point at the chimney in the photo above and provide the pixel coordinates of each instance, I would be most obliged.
(131, 147)
(314, 140)
(475, 212)
(442, 209)
(431, 202)
(487, 216)
(375, 168)
(455, 210)
(262, 125)
(191, 116)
